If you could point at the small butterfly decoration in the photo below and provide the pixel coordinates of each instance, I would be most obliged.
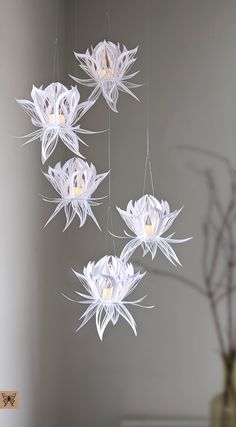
(9, 399)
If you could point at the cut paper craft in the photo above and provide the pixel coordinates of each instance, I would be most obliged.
(56, 111)
(107, 66)
(108, 282)
(75, 182)
(149, 219)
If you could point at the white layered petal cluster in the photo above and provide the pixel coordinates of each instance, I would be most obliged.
(75, 182)
(108, 282)
(107, 65)
(149, 218)
(56, 111)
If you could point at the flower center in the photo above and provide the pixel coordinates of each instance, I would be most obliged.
(78, 190)
(149, 227)
(76, 186)
(106, 294)
(107, 70)
(56, 119)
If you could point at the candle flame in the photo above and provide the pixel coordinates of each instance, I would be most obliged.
(107, 65)
(106, 293)
(149, 228)
(56, 119)
(78, 190)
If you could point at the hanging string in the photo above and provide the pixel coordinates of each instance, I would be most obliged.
(75, 33)
(55, 72)
(148, 167)
(108, 16)
(109, 225)
(109, 155)
(148, 164)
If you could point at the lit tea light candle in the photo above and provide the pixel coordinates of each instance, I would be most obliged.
(78, 188)
(106, 294)
(104, 72)
(56, 119)
(107, 66)
(75, 187)
(78, 191)
(149, 228)
(107, 72)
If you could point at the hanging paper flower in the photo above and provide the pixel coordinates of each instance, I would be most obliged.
(108, 282)
(149, 219)
(56, 111)
(75, 181)
(108, 64)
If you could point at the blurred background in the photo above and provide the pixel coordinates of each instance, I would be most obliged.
(173, 368)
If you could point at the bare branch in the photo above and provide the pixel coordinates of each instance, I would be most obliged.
(158, 272)
(207, 152)
(225, 294)
(219, 248)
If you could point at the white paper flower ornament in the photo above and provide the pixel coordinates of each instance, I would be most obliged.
(75, 182)
(56, 111)
(149, 219)
(108, 282)
(107, 65)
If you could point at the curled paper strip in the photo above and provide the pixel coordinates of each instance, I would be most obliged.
(149, 219)
(108, 64)
(108, 282)
(75, 182)
(56, 111)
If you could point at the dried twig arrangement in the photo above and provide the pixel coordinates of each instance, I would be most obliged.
(219, 255)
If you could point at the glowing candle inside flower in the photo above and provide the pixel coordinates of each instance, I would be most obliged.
(149, 228)
(78, 190)
(108, 65)
(104, 72)
(106, 294)
(78, 187)
(75, 187)
(56, 119)
(75, 182)
(107, 70)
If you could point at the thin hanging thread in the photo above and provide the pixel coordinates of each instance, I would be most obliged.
(75, 32)
(108, 16)
(148, 167)
(148, 164)
(109, 211)
(147, 64)
(56, 49)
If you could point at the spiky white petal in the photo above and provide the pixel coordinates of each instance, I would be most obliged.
(107, 65)
(75, 182)
(108, 282)
(148, 218)
(56, 111)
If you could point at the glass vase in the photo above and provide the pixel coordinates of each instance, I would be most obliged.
(223, 406)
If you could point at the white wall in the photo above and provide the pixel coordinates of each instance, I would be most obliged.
(31, 258)
(172, 367)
